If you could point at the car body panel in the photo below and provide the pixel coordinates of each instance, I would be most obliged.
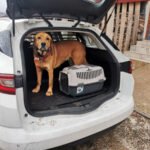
(20, 130)
(6, 64)
(60, 130)
(9, 115)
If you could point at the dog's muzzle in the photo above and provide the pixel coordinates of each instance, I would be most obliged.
(42, 52)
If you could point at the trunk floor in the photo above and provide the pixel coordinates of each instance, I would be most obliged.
(40, 101)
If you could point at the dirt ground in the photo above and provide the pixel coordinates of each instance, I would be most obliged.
(133, 133)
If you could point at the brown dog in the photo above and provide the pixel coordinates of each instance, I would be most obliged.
(49, 56)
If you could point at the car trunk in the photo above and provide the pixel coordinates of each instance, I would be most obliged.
(91, 11)
(39, 104)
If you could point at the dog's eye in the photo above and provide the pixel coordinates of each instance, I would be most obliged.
(39, 38)
(47, 39)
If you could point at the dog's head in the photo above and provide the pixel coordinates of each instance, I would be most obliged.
(42, 43)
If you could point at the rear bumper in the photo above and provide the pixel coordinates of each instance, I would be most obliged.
(107, 115)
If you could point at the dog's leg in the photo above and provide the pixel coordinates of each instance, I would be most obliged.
(50, 88)
(70, 61)
(39, 79)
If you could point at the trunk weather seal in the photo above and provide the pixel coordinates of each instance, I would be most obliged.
(72, 110)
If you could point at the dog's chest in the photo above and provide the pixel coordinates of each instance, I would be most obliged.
(44, 64)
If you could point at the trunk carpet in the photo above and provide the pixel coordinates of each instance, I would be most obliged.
(40, 101)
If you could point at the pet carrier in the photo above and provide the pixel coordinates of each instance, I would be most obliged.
(80, 80)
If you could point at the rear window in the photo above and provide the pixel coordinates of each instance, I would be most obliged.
(84, 38)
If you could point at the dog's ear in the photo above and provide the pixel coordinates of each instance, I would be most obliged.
(52, 48)
(34, 46)
(34, 42)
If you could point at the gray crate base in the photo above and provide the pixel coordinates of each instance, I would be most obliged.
(82, 89)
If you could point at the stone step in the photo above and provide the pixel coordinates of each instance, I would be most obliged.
(144, 44)
(140, 50)
(137, 56)
(133, 48)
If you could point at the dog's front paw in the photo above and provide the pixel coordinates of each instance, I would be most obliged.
(49, 93)
(36, 90)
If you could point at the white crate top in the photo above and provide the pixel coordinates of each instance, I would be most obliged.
(84, 74)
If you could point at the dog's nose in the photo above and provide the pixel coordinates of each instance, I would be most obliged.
(43, 44)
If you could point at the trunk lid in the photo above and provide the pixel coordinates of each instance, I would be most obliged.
(91, 11)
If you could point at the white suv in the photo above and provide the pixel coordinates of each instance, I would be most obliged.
(35, 121)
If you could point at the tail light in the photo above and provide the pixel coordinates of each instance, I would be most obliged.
(7, 84)
(130, 67)
(126, 67)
